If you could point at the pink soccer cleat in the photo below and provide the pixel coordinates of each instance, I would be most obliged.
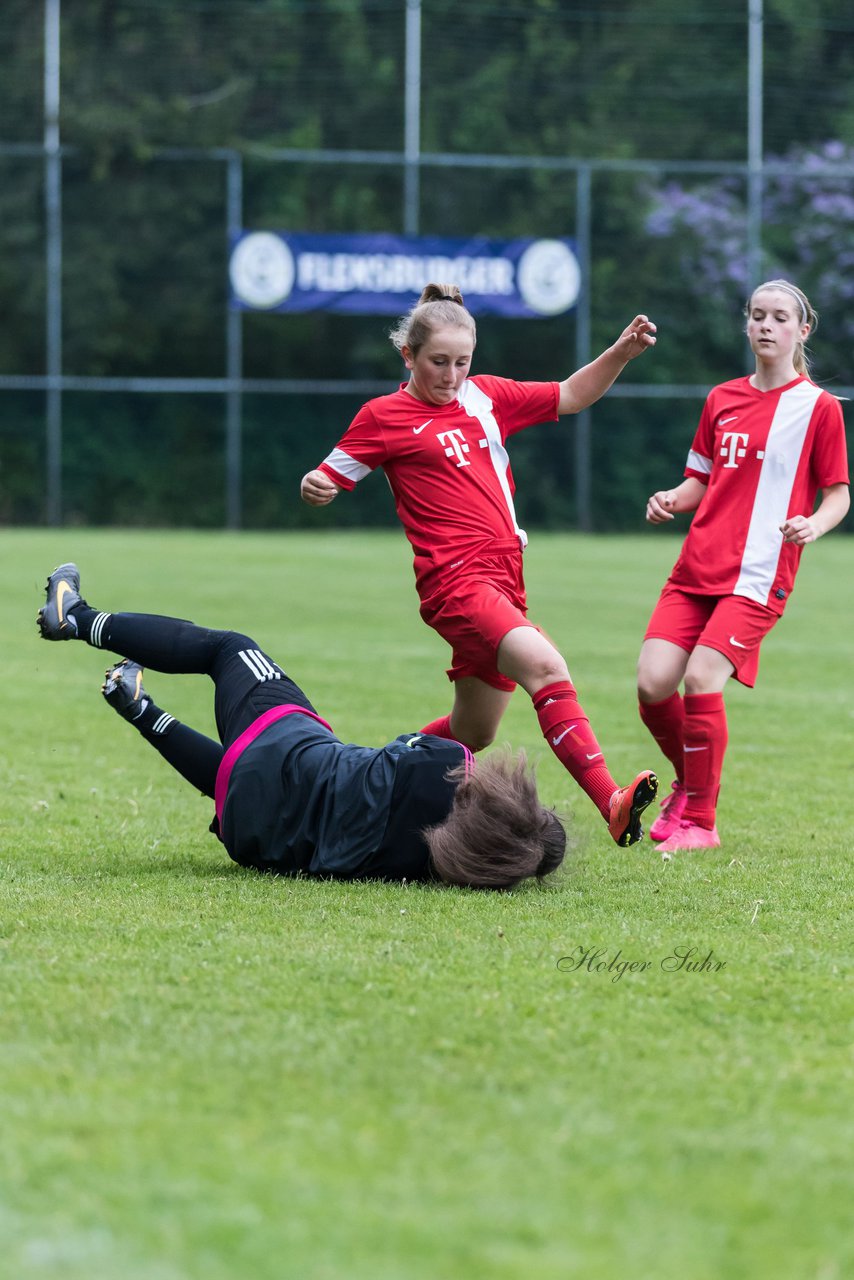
(688, 835)
(672, 808)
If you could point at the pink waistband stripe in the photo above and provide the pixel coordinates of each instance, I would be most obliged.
(223, 773)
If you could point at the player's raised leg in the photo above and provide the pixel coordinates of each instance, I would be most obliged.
(191, 754)
(475, 716)
(527, 656)
(248, 682)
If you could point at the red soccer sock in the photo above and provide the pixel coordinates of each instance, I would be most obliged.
(442, 729)
(567, 731)
(706, 740)
(666, 722)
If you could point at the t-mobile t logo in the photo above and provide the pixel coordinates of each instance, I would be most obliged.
(454, 444)
(733, 446)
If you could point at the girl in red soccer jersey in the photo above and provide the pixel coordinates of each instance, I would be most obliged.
(766, 444)
(440, 440)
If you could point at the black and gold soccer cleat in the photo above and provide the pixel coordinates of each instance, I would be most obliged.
(123, 689)
(62, 594)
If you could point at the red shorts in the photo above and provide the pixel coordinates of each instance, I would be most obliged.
(474, 606)
(732, 625)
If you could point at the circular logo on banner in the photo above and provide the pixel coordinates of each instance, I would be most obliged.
(548, 277)
(262, 270)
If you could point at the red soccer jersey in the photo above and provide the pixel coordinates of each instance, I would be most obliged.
(763, 455)
(446, 464)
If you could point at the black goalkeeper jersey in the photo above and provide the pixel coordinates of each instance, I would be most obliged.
(291, 797)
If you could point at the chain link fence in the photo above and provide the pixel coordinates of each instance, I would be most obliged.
(131, 394)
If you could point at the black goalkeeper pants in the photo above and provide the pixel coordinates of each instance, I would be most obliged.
(247, 682)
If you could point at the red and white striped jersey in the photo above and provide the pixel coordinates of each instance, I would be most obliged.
(764, 455)
(447, 465)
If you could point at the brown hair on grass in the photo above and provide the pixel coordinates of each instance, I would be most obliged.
(498, 832)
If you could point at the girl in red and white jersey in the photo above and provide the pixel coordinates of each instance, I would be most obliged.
(440, 438)
(765, 446)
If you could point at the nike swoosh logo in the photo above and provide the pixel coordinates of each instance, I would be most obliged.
(733, 640)
(695, 749)
(416, 431)
(560, 737)
(723, 421)
(138, 686)
(593, 757)
(62, 591)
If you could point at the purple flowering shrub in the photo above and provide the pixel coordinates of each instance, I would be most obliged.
(807, 233)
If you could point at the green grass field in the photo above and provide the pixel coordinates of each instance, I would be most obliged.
(209, 1075)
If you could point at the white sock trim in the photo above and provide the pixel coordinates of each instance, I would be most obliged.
(97, 631)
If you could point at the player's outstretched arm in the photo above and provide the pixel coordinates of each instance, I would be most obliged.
(833, 507)
(317, 489)
(667, 503)
(586, 385)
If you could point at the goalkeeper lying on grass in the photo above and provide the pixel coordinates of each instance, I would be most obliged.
(290, 797)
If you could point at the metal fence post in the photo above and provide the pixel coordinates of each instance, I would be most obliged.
(754, 144)
(412, 120)
(583, 484)
(233, 358)
(53, 264)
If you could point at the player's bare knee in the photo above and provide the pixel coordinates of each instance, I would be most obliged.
(543, 671)
(701, 676)
(481, 740)
(475, 737)
(649, 690)
(653, 687)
